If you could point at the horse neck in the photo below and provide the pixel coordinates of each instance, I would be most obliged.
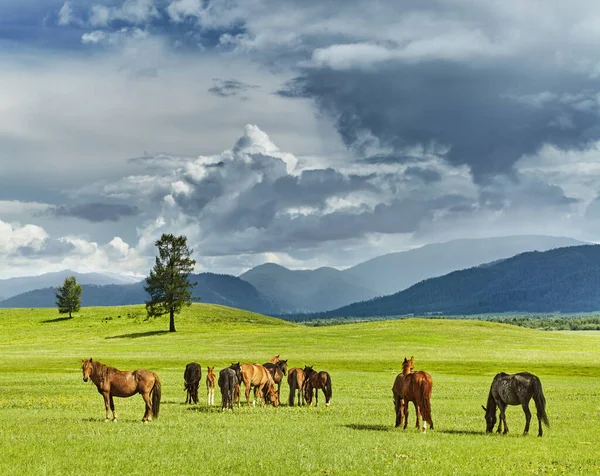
(98, 372)
(406, 370)
(491, 405)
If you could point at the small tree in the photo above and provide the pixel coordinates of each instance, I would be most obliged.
(68, 296)
(168, 284)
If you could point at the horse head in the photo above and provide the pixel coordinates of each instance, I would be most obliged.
(86, 368)
(272, 395)
(490, 418)
(237, 368)
(282, 364)
(408, 365)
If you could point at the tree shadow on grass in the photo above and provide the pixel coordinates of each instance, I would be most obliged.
(359, 426)
(58, 319)
(136, 335)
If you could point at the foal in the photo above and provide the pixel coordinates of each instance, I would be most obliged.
(210, 386)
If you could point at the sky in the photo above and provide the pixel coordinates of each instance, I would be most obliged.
(303, 133)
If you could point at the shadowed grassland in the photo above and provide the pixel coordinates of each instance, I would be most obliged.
(53, 423)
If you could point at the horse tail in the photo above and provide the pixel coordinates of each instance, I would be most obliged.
(425, 401)
(156, 396)
(328, 387)
(293, 380)
(540, 400)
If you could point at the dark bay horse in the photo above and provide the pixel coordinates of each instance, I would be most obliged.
(229, 381)
(516, 389)
(398, 399)
(296, 380)
(416, 388)
(191, 381)
(258, 377)
(111, 382)
(277, 370)
(316, 380)
(211, 379)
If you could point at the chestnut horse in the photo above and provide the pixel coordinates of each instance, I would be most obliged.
(191, 382)
(277, 371)
(416, 388)
(316, 380)
(398, 399)
(296, 380)
(274, 359)
(258, 377)
(210, 386)
(111, 382)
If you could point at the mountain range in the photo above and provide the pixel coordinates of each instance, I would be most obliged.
(559, 280)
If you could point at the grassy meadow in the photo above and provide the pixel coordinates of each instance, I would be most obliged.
(51, 422)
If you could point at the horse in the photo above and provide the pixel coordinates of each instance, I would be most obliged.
(274, 359)
(258, 377)
(229, 380)
(516, 389)
(296, 380)
(277, 371)
(191, 379)
(111, 382)
(316, 380)
(210, 386)
(416, 388)
(398, 399)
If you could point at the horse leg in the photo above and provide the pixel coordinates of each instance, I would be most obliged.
(418, 412)
(502, 407)
(247, 393)
(406, 402)
(112, 407)
(148, 412)
(527, 417)
(106, 396)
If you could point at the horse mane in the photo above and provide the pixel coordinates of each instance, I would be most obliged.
(101, 371)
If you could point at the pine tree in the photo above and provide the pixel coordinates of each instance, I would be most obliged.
(168, 284)
(68, 296)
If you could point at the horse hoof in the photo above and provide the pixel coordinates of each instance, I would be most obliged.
(107, 420)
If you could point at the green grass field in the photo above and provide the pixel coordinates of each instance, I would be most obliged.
(51, 422)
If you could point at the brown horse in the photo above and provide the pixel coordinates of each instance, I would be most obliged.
(210, 386)
(416, 388)
(277, 371)
(274, 359)
(398, 399)
(296, 382)
(117, 383)
(258, 377)
(316, 380)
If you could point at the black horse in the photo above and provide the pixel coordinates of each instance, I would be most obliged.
(316, 380)
(229, 383)
(191, 379)
(516, 389)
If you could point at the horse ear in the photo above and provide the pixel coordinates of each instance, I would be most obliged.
(412, 359)
(405, 360)
(484, 409)
(90, 359)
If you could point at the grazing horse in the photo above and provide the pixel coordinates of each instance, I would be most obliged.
(111, 382)
(258, 377)
(277, 371)
(416, 388)
(210, 386)
(191, 381)
(516, 389)
(229, 380)
(296, 380)
(398, 399)
(316, 380)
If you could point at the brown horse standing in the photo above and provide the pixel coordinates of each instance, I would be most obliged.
(210, 385)
(257, 376)
(398, 399)
(277, 371)
(416, 388)
(117, 383)
(316, 380)
(296, 380)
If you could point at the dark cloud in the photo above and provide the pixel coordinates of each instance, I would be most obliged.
(50, 249)
(426, 175)
(486, 115)
(229, 87)
(95, 212)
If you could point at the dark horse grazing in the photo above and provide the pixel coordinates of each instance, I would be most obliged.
(277, 371)
(398, 399)
(191, 379)
(416, 388)
(296, 380)
(117, 383)
(316, 380)
(516, 389)
(229, 381)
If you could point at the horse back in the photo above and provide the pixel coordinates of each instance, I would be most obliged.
(415, 384)
(127, 383)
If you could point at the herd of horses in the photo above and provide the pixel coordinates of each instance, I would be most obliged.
(265, 380)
